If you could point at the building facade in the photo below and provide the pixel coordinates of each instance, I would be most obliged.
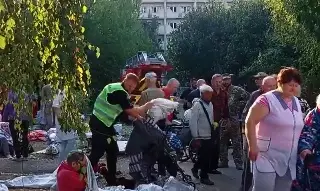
(169, 13)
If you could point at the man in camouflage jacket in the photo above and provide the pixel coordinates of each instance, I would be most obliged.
(237, 98)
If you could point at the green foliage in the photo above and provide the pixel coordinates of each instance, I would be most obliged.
(43, 41)
(151, 28)
(218, 40)
(114, 27)
(297, 23)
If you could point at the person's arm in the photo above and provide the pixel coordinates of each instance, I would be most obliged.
(193, 122)
(67, 181)
(121, 97)
(256, 113)
(248, 105)
(308, 136)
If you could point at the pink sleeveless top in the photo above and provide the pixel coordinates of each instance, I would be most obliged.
(278, 135)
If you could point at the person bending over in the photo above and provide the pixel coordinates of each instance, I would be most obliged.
(71, 175)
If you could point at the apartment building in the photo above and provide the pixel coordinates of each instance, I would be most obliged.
(169, 13)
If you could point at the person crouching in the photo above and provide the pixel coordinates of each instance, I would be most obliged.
(71, 175)
(201, 124)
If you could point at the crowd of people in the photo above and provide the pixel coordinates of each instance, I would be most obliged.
(272, 143)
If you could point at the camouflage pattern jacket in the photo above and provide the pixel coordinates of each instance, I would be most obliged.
(237, 99)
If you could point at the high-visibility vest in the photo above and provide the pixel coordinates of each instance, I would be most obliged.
(103, 110)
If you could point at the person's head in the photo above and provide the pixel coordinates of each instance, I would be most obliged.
(77, 160)
(200, 82)
(193, 83)
(259, 77)
(206, 92)
(289, 80)
(216, 81)
(151, 79)
(130, 82)
(173, 85)
(269, 83)
(227, 80)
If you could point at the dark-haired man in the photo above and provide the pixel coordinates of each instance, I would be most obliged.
(71, 175)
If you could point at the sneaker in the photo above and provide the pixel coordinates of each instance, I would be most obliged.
(195, 173)
(9, 157)
(206, 181)
(214, 172)
(16, 159)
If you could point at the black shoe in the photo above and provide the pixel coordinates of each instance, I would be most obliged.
(239, 168)
(195, 173)
(206, 181)
(214, 172)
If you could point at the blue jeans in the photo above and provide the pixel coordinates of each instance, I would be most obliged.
(65, 147)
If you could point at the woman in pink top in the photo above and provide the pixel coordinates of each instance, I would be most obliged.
(273, 127)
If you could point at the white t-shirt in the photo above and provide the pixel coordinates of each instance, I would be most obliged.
(61, 136)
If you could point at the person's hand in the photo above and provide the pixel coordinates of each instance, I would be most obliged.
(304, 153)
(253, 152)
(307, 157)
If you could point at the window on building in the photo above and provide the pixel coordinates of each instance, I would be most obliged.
(173, 9)
(154, 9)
(186, 9)
(173, 25)
(159, 40)
(143, 9)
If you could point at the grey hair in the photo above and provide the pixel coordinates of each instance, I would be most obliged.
(216, 76)
(200, 82)
(265, 79)
(172, 81)
(205, 88)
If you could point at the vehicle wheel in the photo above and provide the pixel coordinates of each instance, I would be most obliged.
(184, 156)
(193, 153)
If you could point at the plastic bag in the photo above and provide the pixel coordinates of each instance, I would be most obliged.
(3, 187)
(162, 107)
(173, 184)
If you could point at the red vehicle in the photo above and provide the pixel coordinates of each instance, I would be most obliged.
(142, 63)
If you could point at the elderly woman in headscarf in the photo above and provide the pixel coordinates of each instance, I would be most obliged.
(308, 163)
(273, 127)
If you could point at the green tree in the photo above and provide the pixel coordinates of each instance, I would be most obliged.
(115, 28)
(43, 41)
(297, 23)
(151, 28)
(219, 39)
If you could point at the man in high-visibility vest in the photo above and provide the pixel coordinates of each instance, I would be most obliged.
(111, 103)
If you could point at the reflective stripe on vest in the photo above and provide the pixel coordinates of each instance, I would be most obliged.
(103, 110)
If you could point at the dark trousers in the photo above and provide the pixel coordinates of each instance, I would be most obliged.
(102, 141)
(20, 148)
(214, 162)
(247, 176)
(204, 156)
(166, 163)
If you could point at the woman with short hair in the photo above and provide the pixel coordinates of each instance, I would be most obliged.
(273, 127)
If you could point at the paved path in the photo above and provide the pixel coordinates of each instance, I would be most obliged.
(228, 181)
